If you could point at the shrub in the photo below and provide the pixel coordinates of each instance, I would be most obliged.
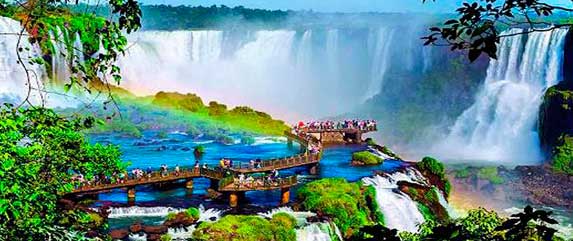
(463, 173)
(366, 158)
(165, 237)
(193, 212)
(216, 109)
(247, 228)
(171, 216)
(433, 166)
(490, 174)
(563, 155)
(344, 202)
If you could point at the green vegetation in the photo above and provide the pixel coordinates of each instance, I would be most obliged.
(348, 204)
(34, 176)
(463, 173)
(200, 149)
(46, 21)
(434, 167)
(390, 153)
(193, 212)
(177, 112)
(248, 228)
(563, 155)
(426, 212)
(366, 158)
(483, 225)
(490, 174)
(165, 237)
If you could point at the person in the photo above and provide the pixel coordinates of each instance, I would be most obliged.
(196, 166)
(241, 179)
(275, 174)
(149, 171)
(222, 163)
(230, 163)
(204, 165)
(177, 170)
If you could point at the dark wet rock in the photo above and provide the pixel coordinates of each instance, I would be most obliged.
(180, 220)
(153, 237)
(537, 185)
(136, 228)
(185, 149)
(119, 234)
(159, 229)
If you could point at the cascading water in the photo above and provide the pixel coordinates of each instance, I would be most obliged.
(142, 211)
(501, 124)
(400, 211)
(379, 43)
(14, 81)
(331, 71)
(314, 232)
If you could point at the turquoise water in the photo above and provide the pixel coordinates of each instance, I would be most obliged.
(177, 149)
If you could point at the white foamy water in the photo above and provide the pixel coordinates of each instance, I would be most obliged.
(299, 216)
(400, 211)
(501, 124)
(314, 232)
(142, 211)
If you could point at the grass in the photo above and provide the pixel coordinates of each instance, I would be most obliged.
(366, 158)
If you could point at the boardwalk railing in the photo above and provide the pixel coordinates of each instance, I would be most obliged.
(257, 184)
(155, 177)
(304, 158)
(346, 130)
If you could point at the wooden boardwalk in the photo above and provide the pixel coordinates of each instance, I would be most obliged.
(258, 184)
(224, 177)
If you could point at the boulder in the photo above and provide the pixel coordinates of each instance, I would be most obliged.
(119, 234)
(181, 219)
(136, 228)
(159, 229)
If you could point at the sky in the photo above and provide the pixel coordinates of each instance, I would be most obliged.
(336, 5)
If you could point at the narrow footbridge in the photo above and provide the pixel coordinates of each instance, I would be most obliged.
(225, 180)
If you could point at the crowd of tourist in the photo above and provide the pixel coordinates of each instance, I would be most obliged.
(250, 181)
(336, 125)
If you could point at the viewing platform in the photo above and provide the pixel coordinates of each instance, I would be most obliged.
(224, 180)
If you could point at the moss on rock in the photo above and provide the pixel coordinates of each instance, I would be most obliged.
(247, 228)
(365, 158)
(350, 205)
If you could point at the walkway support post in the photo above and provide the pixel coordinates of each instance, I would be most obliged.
(131, 193)
(233, 199)
(313, 169)
(285, 195)
(189, 184)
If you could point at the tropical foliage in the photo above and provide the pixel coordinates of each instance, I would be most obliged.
(563, 155)
(366, 158)
(248, 228)
(350, 205)
(41, 152)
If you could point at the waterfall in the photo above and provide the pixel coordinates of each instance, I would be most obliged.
(332, 53)
(501, 124)
(13, 79)
(299, 216)
(314, 232)
(380, 41)
(135, 211)
(207, 45)
(264, 68)
(400, 211)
